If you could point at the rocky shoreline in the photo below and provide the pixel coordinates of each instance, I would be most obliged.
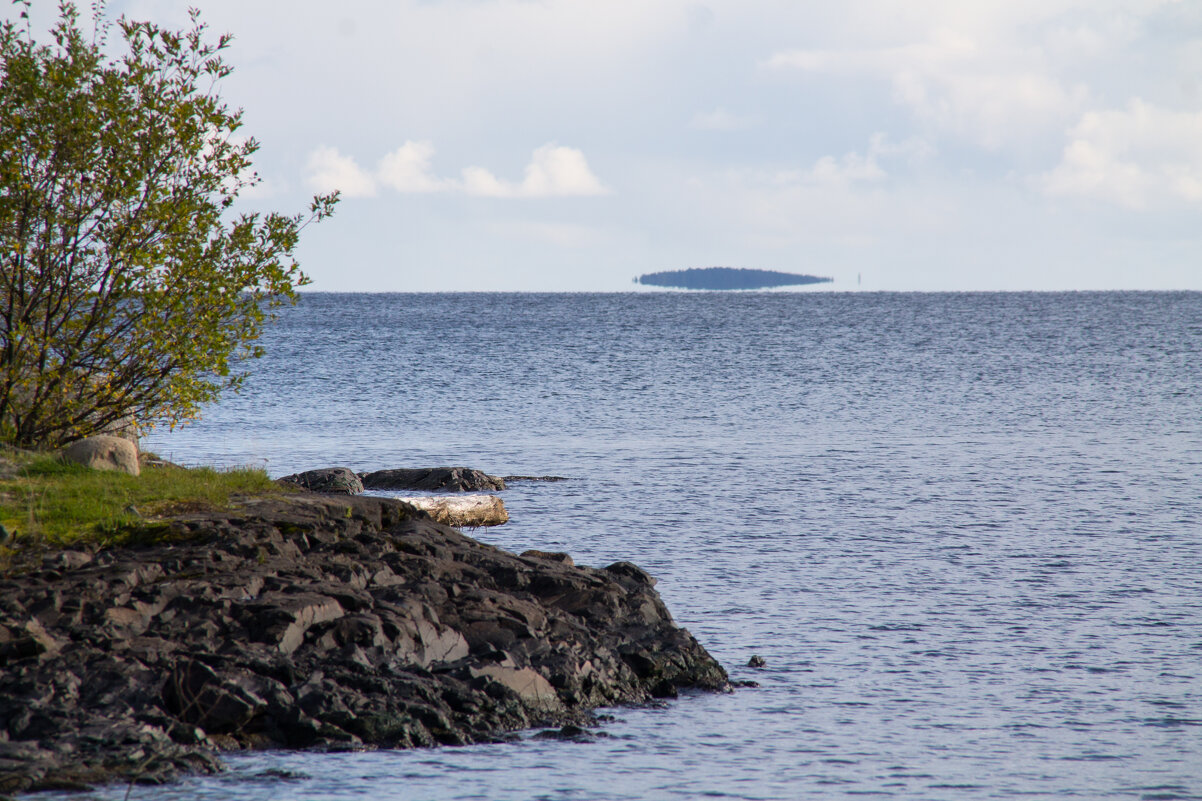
(313, 621)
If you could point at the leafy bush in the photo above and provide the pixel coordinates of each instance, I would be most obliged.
(128, 289)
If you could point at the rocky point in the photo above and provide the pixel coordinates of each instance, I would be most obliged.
(310, 621)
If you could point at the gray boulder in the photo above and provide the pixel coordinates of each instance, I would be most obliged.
(438, 479)
(104, 452)
(331, 480)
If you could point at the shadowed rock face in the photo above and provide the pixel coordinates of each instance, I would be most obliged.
(314, 621)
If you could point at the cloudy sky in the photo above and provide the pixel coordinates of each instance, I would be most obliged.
(574, 144)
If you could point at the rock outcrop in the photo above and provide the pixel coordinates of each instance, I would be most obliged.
(104, 452)
(308, 621)
(331, 480)
(432, 479)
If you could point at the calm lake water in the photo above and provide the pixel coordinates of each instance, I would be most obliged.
(963, 530)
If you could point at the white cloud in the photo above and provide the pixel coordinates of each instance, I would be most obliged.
(559, 171)
(1133, 157)
(721, 120)
(991, 92)
(482, 183)
(553, 171)
(329, 170)
(479, 181)
(852, 167)
(407, 169)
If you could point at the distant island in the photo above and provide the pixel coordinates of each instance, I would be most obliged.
(726, 278)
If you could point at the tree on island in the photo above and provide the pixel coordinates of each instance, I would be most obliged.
(129, 288)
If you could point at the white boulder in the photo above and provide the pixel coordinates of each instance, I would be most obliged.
(463, 510)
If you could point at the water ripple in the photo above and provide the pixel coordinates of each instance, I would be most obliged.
(964, 531)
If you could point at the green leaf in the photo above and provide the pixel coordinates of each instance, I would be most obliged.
(126, 288)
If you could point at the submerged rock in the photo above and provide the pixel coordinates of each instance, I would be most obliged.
(314, 621)
(571, 733)
(511, 479)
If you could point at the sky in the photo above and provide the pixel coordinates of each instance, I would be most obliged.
(571, 145)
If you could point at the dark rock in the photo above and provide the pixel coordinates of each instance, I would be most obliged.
(281, 619)
(18, 642)
(631, 572)
(196, 694)
(279, 775)
(756, 661)
(331, 480)
(570, 733)
(664, 689)
(305, 620)
(550, 556)
(68, 560)
(432, 479)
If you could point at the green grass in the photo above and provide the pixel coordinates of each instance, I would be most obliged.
(59, 504)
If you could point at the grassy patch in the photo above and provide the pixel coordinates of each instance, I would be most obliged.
(60, 504)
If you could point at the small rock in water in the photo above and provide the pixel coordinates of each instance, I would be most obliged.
(570, 732)
(280, 774)
(756, 661)
(508, 479)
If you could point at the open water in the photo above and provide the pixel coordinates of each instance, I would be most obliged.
(963, 530)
